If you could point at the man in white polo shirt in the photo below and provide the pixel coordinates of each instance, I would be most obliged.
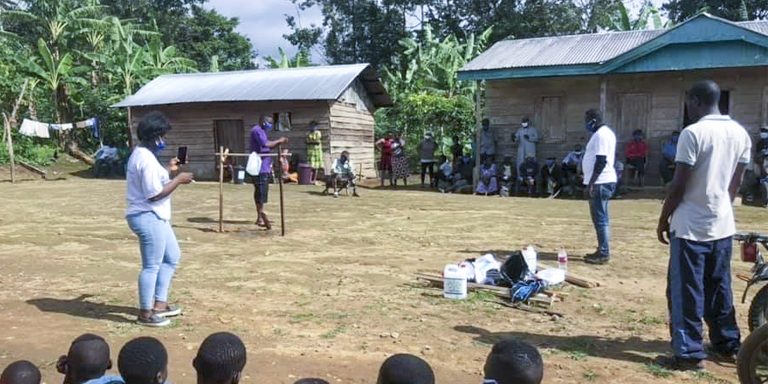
(600, 181)
(697, 220)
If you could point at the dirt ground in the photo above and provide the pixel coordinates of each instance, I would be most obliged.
(337, 295)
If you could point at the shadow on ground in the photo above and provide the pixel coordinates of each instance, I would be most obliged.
(81, 307)
(630, 349)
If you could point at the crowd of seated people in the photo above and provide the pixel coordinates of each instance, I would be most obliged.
(221, 359)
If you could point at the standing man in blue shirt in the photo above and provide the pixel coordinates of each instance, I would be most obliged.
(261, 144)
(668, 153)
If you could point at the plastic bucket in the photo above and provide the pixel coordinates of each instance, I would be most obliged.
(305, 174)
(238, 176)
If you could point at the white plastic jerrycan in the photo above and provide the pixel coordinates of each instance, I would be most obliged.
(454, 282)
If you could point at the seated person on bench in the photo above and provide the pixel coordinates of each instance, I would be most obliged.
(507, 174)
(285, 166)
(530, 170)
(637, 153)
(462, 176)
(445, 175)
(343, 173)
(551, 177)
(571, 167)
(488, 184)
(667, 163)
(106, 160)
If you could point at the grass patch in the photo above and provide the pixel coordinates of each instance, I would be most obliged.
(708, 377)
(334, 332)
(301, 318)
(589, 375)
(480, 296)
(657, 371)
(577, 355)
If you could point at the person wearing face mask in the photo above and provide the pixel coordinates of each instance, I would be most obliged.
(148, 196)
(668, 153)
(599, 180)
(526, 138)
(427, 149)
(487, 142)
(636, 153)
(314, 149)
(260, 143)
(571, 167)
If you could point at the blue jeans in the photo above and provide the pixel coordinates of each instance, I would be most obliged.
(699, 285)
(159, 256)
(598, 209)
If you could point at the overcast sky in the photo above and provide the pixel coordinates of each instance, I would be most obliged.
(263, 21)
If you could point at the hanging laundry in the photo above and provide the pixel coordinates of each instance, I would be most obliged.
(34, 129)
(93, 124)
(61, 127)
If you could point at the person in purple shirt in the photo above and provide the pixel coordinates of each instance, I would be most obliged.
(260, 144)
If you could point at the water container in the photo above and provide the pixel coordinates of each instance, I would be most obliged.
(454, 282)
(239, 174)
(562, 259)
(305, 174)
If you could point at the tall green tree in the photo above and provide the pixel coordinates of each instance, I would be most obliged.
(736, 10)
(649, 18)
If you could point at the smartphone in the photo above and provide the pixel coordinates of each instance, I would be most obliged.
(182, 155)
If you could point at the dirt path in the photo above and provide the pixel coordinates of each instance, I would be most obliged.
(337, 295)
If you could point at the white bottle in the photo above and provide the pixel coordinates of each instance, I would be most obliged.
(562, 259)
(454, 282)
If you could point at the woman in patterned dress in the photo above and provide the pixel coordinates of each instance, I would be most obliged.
(314, 149)
(400, 167)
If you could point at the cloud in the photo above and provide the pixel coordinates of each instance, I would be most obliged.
(263, 21)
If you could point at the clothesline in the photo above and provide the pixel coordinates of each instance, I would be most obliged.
(39, 129)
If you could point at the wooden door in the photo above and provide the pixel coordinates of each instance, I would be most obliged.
(229, 134)
(551, 122)
(634, 113)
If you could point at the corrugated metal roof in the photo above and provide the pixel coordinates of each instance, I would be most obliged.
(309, 83)
(594, 48)
(757, 26)
(559, 50)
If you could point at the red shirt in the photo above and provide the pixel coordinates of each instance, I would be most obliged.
(636, 149)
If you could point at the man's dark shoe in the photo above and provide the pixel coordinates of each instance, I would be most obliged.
(597, 258)
(719, 355)
(674, 363)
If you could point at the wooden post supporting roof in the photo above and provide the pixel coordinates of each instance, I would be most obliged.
(478, 132)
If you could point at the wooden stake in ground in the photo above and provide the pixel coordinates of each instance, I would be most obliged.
(280, 183)
(7, 130)
(222, 159)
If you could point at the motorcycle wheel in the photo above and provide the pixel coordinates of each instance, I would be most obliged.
(752, 360)
(758, 309)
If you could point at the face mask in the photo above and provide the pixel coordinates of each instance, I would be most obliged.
(159, 146)
(578, 153)
(312, 129)
(550, 163)
(638, 138)
(343, 159)
(674, 140)
(525, 125)
(590, 126)
(764, 135)
(267, 126)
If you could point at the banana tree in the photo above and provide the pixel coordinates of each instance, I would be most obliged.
(55, 73)
(623, 22)
(301, 59)
(162, 60)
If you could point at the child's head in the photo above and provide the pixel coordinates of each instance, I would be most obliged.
(405, 369)
(220, 359)
(514, 362)
(143, 360)
(87, 359)
(311, 380)
(20, 372)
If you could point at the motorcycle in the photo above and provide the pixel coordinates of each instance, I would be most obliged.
(752, 360)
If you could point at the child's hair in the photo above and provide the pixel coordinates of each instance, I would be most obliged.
(88, 357)
(311, 380)
(514, 362)
(142, 361)
(221, 358)
(20, 372)
(405, 369)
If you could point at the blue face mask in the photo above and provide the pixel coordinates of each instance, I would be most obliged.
(590, 126)
(159, 146)
(267, 126)
(674, 140)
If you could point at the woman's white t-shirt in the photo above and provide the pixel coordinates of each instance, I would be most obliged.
(145, 179)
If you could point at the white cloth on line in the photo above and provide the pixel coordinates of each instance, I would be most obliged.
(34, 129)
(61, 127)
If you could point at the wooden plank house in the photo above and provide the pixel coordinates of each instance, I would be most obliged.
(208, 110)
(638, 80)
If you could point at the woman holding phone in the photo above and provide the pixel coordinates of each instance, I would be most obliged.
(148, 195)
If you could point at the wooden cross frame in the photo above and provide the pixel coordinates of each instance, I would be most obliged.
(222, 155)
